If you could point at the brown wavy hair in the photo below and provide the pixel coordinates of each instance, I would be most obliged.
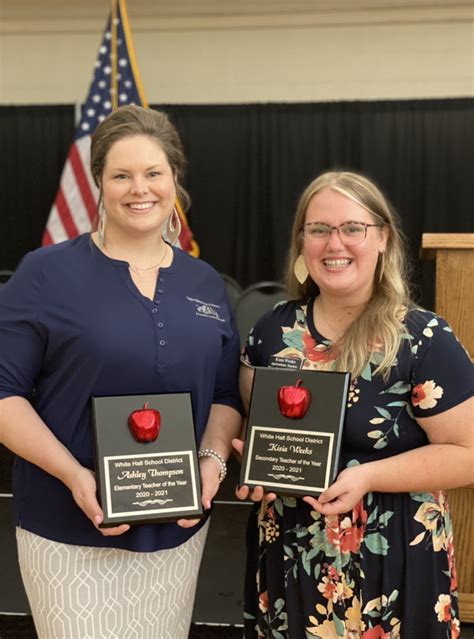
(134, 120)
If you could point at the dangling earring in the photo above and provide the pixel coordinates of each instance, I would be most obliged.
(300, 270)
(173, 227)
(101, 224)
(381, 265)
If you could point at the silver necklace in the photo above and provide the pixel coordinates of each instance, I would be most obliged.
(138, 269)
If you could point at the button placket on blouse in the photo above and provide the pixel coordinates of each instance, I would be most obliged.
(158, 321)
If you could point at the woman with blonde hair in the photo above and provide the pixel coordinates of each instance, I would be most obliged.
(372, 556)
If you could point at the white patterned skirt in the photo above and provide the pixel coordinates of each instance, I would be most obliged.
(80, 592)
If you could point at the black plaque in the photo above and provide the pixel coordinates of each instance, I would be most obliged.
(145, 482)
(294, 456)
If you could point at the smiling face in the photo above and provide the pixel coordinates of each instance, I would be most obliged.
(336, 268)
(138, 186)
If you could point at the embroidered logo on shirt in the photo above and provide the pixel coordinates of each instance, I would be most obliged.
(206, 309)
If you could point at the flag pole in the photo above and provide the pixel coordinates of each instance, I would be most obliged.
(113, 55)
(131, 52)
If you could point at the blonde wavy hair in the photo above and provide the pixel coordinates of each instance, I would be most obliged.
(375, 335)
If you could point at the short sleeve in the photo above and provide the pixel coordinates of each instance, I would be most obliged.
(22, 341)
(443, 374)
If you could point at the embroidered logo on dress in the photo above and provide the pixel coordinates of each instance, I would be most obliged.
(206, 309)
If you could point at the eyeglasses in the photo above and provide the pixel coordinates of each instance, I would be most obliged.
(350, 233)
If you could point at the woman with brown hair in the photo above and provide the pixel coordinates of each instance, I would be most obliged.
(120, 311)
(372, 556)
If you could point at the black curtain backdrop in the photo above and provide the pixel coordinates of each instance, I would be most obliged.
(34, 141)
(249, 163)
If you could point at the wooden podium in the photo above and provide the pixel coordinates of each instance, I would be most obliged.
(454, 300)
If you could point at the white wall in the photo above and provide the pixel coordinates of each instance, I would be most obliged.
(47, 51)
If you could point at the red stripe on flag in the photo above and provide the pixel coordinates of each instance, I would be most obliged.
(47, 239)
(83, 183)
(65, 214)
(185, 237)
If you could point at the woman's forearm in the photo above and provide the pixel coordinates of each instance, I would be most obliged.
(25, 433)
(431, 467)
(426, 469)
(222, 427)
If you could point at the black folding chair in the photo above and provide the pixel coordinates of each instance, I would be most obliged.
(254, 301)
(233, 289)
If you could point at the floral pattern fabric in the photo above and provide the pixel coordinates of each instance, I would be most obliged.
(385, 570)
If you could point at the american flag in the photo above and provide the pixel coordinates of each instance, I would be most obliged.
(116, 82)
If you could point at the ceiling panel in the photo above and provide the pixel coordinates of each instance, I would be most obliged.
(60, 9)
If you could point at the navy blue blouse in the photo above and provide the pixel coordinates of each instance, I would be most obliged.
(73, 325)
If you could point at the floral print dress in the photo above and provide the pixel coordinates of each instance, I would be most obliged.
(385, 570)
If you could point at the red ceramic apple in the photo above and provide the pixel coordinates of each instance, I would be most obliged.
(294, 400)
(145, 423)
